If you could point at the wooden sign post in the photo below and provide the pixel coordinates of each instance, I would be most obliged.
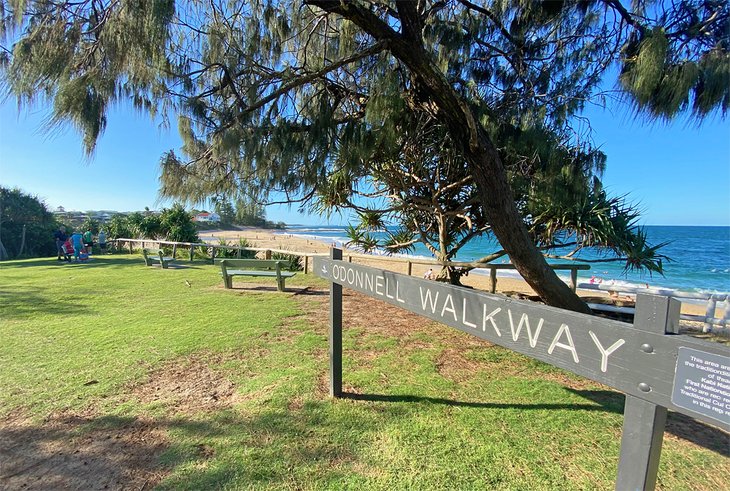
(335, 333)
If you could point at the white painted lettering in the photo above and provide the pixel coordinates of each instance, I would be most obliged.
(351, 276)
(359, 279)
(449, 301)
(379, 285)
(428, 298)
(526, 321)
(387, 288)
(490, 318)
(605, 352)
(463, 315)
(397, 293)
(570, 346)
(369, 282)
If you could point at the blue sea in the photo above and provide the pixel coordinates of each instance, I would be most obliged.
(700, 256)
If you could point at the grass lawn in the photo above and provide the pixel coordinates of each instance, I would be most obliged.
(115, 374)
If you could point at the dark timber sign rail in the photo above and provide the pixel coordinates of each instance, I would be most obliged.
(656, 368)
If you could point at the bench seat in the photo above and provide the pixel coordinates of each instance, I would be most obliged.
(156, 256)
(272, 274)
(262, 268)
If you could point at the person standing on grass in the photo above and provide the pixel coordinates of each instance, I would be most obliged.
(102, 241)
(78, 242)
(88, 241)
(60, 236)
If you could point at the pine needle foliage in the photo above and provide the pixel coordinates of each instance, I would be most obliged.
(307, 97)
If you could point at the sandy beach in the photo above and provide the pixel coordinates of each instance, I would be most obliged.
(266, 238)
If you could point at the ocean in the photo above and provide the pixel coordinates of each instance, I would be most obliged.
(700, 256)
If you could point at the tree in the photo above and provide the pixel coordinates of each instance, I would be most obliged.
(135, 224)
(90, 224)
(174, 224)
(281, 95)
(250, 213)
(151, 227)
(177, 224)
(428, 191)
(225, 210)
(26, 225)
(118, 227)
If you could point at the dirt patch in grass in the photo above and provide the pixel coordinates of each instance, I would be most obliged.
(88, 451)
(80, 451)
(453, 365)
(189, 385)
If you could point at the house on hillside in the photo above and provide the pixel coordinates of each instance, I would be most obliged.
(103, 217)
(205, 217)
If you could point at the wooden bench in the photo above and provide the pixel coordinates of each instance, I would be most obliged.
(253, 267)
(155, 256)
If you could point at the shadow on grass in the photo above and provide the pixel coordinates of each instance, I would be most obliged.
(115, 454)
(483, 405)
(111, 452)
(175, 266)
(24, 302)
(678, 424)
(309, 291)
(49, 262)
(98, 261)
(251, 287)
(271, 447)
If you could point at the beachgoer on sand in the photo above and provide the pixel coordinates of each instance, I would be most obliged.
(428, 275)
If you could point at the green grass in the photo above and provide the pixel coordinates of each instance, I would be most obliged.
(432, 410)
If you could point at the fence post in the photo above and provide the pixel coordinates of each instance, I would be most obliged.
(267, 254)
(335, 334)
(409, 268)
(238, 253)
(174, 251)
(306, 264)
(573, 279)
(212, 255)
(492, 280)
(644, 422)
(192, 252)
(130, 246)
(709, 314)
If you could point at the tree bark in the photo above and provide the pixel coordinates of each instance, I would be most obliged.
(488, 170)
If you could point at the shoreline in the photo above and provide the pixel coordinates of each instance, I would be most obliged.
(509, 283)
(688, 273)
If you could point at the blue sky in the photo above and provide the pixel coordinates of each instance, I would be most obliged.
(679, 173)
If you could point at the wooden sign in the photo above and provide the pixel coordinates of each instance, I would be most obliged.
(617, 354)
(655, 368)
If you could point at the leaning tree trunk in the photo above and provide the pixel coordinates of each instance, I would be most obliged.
(496, 194)
(466, 132)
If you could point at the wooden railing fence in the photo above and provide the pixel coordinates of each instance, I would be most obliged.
(307, 258)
